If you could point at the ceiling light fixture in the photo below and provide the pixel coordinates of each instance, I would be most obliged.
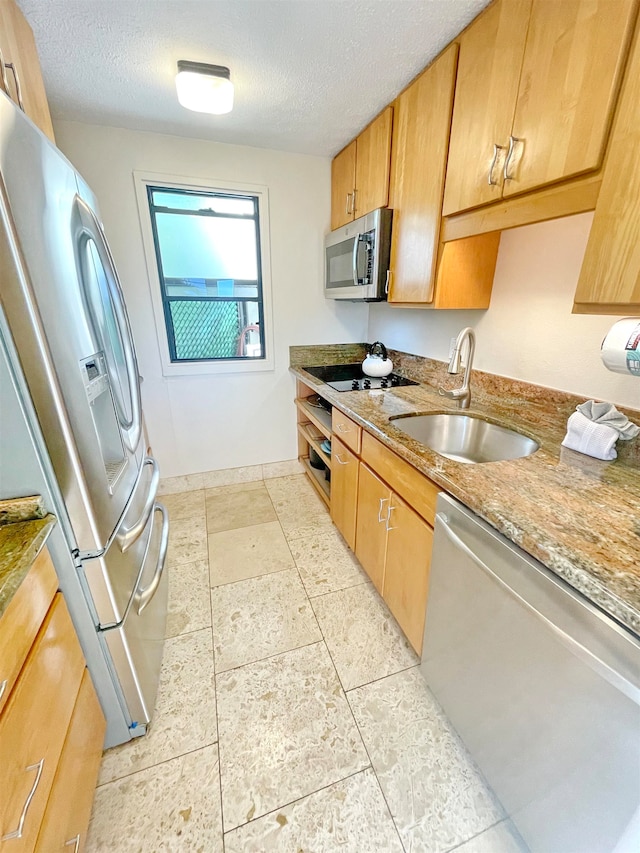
(204, 88)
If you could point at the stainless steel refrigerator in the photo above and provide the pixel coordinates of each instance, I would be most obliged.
(69, 347)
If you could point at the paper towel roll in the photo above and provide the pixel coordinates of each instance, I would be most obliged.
(621, 347)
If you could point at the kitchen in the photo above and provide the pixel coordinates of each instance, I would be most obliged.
(203, 428)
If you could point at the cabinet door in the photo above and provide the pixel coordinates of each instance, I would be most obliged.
(610, 276)
(69, 808)
(18, 47)
(573, 63)
(491, 52)
(343, 182)
(406, 577)
(371, 525)
(344, 490)
(373, 161)
(420, 137)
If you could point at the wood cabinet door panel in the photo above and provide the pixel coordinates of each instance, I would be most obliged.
(22, 619)
(371, 526)
(491, 53)
(406, 577)
(344, 490)
(343, 182)
(373, 161)
(573, 63)
(34, 724)
(420, 138)
(610, 276)
(76, 775)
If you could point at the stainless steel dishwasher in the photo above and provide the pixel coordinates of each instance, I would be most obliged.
(542, 687)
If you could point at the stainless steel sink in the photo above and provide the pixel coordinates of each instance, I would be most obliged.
(466, 438)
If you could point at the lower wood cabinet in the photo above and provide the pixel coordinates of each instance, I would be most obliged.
(393, 545)
(344, 490)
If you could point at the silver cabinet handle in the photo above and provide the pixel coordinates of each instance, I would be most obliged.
(3, 687)
(126, 536)
(340, 462)
(5, 82)
(144, 596)
(382, 502)
(342, 428)
(17, 833)
(496, 149)
(353, 206)
(512, 146)
(388, 519)
(347, 209)
(75, 841)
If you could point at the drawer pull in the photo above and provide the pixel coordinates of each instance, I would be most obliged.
(17, 833)
(75, 841)
(382, 502)
(342, 428)
(340, 462)
(3, 687)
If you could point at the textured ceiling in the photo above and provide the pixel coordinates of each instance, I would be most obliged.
(308, 74)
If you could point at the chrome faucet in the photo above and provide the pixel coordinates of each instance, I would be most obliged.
(463, 393)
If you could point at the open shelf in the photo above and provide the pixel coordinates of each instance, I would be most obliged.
(317, 479)
(320, 418)
(314, 437)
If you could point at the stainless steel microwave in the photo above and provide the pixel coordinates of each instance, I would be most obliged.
(357, 258)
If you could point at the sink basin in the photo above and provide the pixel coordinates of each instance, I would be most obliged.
(466, 438)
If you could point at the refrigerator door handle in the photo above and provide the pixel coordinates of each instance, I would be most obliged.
(91, 229)
(126, 536)
(144, 596)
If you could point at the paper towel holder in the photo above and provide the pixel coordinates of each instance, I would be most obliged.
(620, 349)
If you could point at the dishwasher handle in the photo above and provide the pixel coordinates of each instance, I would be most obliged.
(595, 663)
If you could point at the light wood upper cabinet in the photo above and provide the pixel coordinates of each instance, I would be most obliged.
(420, 136)
(570, 79)
(373, 157)
(610, 277)
(19, 49)
(491, 52)
(360, 172)
(537, 85)
(343, 182)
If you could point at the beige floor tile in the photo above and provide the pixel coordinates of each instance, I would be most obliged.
(247, 552)
(301, 512)
(263, 616)
(174, 806)
(187, 541)
(350, 816)
(233, 489)
(363, 637)
(186, 483)
(294, 485)
(503, 838)
(185, 505)
(185, 714)
(239, 509)
(189, 601)
(285, 731)
(325, 563)
(281, 469)
(230, 476)
(435, 793)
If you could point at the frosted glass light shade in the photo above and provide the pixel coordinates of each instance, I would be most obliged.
(204, 88)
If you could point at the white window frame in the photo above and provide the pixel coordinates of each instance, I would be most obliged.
(240, 365)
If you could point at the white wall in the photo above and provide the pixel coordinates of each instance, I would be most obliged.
(210, 422)
(528, 332)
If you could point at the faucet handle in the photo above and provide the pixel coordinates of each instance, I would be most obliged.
(454, 393)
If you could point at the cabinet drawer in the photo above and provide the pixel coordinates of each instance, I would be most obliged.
(22, 620)
(34, 725)
(346, 430)
(417, 490)
(76, 776)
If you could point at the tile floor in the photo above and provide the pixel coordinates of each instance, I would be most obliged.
(291, 714)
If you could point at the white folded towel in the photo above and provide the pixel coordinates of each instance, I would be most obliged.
(590, 438)
(607, 414)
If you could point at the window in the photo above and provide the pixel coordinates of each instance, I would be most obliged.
(207, 253)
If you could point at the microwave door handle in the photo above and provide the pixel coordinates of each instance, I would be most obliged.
(356, 244)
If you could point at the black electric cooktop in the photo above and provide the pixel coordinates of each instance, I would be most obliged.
(349, 377)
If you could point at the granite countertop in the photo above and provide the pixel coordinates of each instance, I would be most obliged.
(24, 529)
(579, 516)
